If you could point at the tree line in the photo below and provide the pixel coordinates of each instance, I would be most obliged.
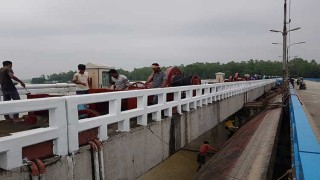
(63, 77)
(297, 67)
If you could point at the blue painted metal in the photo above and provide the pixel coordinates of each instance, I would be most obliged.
(278, 81)
(313, 79)
(306, 149)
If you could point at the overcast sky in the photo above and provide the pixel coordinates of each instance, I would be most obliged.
(45, 37)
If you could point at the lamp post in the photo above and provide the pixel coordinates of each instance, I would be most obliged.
(287, 49)
(284, 33)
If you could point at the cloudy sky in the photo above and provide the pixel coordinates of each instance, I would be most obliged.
(45, 37)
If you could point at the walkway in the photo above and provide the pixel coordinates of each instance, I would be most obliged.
(304, 127)
(310, 99)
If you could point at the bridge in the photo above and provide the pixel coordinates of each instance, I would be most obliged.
(133, 141)
(305, 128)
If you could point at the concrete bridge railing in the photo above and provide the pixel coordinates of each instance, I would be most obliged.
(60, 88)
(64, 123)
(11, 146)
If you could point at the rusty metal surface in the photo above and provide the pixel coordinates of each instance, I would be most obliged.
(7, 127)
(38, 151)
(242, 152)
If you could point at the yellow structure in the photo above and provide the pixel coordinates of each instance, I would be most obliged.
(220, 77)
(98, 75)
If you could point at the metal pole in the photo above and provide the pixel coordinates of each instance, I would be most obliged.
(284, 63)
(287, 72)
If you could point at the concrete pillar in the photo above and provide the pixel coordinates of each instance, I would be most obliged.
(220, 77)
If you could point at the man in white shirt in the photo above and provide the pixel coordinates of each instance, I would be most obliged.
(81, 79)
(121, 82)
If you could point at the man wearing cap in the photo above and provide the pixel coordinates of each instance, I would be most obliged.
(158, 79)
(121, 82)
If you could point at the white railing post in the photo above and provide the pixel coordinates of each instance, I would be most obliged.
(199, 94)
(142, 103)
(206, 94)
(161, 101)
(186, 107)
(168, 111)
(73, 125)
(115, 109)
(177, 97)
(11, 159)
(11, 146)
(58, 118)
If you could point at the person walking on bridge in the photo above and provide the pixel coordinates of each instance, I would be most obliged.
(201, 158)
(8, 88)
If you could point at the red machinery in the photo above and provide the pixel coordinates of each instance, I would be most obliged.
(175, 77)
(236, 77)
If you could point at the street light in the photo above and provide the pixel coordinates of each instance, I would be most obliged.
(285, 47)
(302, 42)
(286, 32)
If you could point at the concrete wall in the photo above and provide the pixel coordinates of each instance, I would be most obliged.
(131, 154)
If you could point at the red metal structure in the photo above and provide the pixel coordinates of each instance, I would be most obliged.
(175, 77)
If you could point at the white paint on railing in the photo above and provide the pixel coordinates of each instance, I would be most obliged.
(11, 146)
(65, 125)
(59, 88)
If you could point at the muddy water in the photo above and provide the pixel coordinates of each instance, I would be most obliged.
(182, 164)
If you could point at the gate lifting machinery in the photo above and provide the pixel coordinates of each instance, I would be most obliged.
(175, 77)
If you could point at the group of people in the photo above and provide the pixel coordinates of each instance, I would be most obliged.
(300, 83)
(157, 79)
(81, 79)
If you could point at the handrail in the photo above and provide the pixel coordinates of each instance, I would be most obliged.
(61, 88)
(212, 92)
(64, 124)
(11, 146)
(306, 149)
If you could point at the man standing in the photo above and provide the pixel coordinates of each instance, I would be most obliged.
(158, 79)
(201, 158)
(8, 88)
(81, 79)
(292, 82)
(121, 82)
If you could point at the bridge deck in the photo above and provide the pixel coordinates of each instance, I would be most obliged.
(310, 99)
(247, 155)
(305, 131)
